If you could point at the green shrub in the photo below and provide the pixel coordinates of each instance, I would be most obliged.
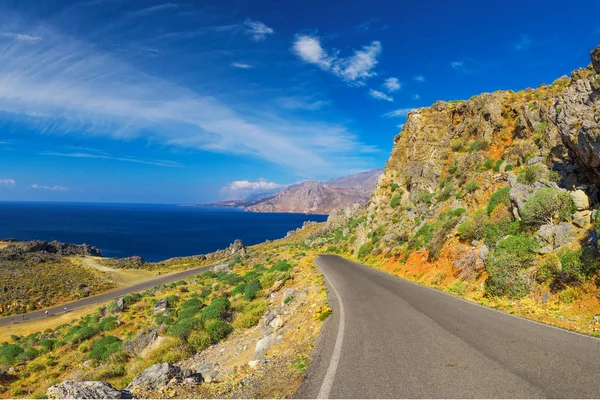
(568, 296)
(395, 202)
(269, 279)
(500, 196)
(104, 347)
(110, 372)
(108, 324)
(79, 334)
(239, 289)
(183, 327)
(35, 367)
(488, 164)
(199, 341)
(474, 227)
(164, 320)
(282, 266)
(9, 353)
(548, 269)
(509, 167)
(471, 187)
(531, 174)
(205, 293)
(508, 267)
(545, 204)
(252, 290)
(216, 310)
(48, 344)
(250, 314)
(498, 165)
(231, 278)
(218, 330)
(394, 187)
(365, 250)
(479, 145)
(457, 144)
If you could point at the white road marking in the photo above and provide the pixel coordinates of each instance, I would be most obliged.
(337, 350)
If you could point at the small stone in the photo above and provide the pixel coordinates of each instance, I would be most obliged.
(253, 364)
(581, 200)
(545, 298)
(596, 318)
(581, 218)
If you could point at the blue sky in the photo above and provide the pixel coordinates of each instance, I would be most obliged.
(194, 101)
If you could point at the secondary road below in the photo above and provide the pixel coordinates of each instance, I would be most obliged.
(391, 338)
(102, 298)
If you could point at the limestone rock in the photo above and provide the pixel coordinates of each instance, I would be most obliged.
(161, 306)
(563, 234)
(159, 375)
(142, 341)
(546, 234)
(595, 54)
(263, 346)
(581, 218)
(85, 390)
(581, 200)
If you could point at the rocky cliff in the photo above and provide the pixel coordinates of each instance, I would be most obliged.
(499, 189)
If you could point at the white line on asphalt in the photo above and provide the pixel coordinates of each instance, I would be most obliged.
(337, 350)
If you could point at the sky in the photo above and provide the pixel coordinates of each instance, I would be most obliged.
(195, 101)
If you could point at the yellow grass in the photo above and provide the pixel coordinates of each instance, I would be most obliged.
(122, 277)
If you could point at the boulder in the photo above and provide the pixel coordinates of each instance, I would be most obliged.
(595, 54)
(161, 306)
(159, 375)
(581, 218)
(237, 247)
(85, 390)
(520, 193)
(223, 267)
(581, 200)
(121, 304)
(143, 340)
(563, 233)
(546, 234)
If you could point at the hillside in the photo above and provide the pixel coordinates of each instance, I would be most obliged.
(312, 197)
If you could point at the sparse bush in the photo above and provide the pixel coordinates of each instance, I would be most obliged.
(365, 250)
(199, 341)
(548, 268)
(474, 227)
(547, 204)
(218, 330)
(479, 145)
(252, 290)
(395, 202)
(472, 186)
(531, 174)
(466, 262)
(568, 296)
(250, 315)
(500, 196)
(104, 347)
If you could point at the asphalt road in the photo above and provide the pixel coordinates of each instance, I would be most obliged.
(391, 338)
(102, 298)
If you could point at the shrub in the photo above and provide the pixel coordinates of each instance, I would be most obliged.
(79, 334)
(252, 290)
(531, 174)
(28, 355)
(199, 341)
(104, 347)
(545, 204)
(365, 250)
(164, 320)
(218, 330)
(498, 165)
(508, 267)
(474, 227)
(567, 296)
(548, 268)
(232, 279)
(47, 344)
(250, 315)
(395, 202)
(269, 279)
(35, 367)
(205, 293)
(110, 372)
(471, 187)
(457, 144)
(500, 196)
(239, 289)
(108, 324)
(216, 310)
(479, 145)
(282, 265)
(438, 239)
(184, 327)
(394, 187)
(9, 353)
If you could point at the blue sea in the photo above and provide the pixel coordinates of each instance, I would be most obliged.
(155, 232)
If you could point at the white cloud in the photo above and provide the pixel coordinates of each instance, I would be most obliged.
(8, 183)
(457, 64)
(376, 94)
(104, 156)
(416, 97)
(65, 87)
(523, 43)
(301, 103)
(54, 188)
(241, 65)
(392, 84)
(420, 78)
(261, 184)
(20, 36)
(401, 112)
(354, 69)
(258, 30)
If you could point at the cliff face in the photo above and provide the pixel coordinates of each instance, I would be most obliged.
(468, 179)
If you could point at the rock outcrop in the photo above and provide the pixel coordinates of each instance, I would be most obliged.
(86, 390)
(159, 375)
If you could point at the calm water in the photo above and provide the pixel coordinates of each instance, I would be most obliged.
(155, 232)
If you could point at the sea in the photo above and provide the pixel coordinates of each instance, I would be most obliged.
(154, 232)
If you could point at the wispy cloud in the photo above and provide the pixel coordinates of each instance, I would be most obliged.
(376, 94)
(63, 86)
(153, 9)
(241, 65)
(524, 43)
(457, 65)
(258, 30)
(416, 97)
(401, 112)
(354, 69)
(392, 84)
(260, 184)
(7, 183)
(54, 188)
(419, 78)
(301, 103)
(104, 156)
(20, 36)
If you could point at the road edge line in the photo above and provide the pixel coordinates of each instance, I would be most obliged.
(337, 349)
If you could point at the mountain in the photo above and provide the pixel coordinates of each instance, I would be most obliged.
(312, 197)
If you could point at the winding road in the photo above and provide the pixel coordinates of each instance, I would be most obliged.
(102, 298)
(391, 338)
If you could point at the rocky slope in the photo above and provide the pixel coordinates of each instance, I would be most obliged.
(312, 197)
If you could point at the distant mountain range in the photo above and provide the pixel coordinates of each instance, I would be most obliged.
(312, 197)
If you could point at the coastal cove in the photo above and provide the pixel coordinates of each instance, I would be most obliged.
(153, 231)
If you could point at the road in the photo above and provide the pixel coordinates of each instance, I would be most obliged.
(104, 297)
(391, 338)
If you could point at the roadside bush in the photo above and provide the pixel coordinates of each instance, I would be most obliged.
(9, 353)
(184, 327)
(545, 205)
(164, 320)
(104, 347)
(218, 330)
(365, 250)
(500, 196)
(252, 290)
(508, 267)
(580, 264)
(438, 239)
(78, 334)
(548, 269)
(267, 280)
(199, 341)
(282, 266)
(48, 344)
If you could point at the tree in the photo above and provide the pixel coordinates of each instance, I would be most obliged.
(547, 204)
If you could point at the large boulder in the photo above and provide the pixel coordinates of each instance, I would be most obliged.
(563, 234)
(595, 54)
(581, 200)
(237, 247)
(159, 375)
(86, 390)
(161, 306)
(143, 340)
